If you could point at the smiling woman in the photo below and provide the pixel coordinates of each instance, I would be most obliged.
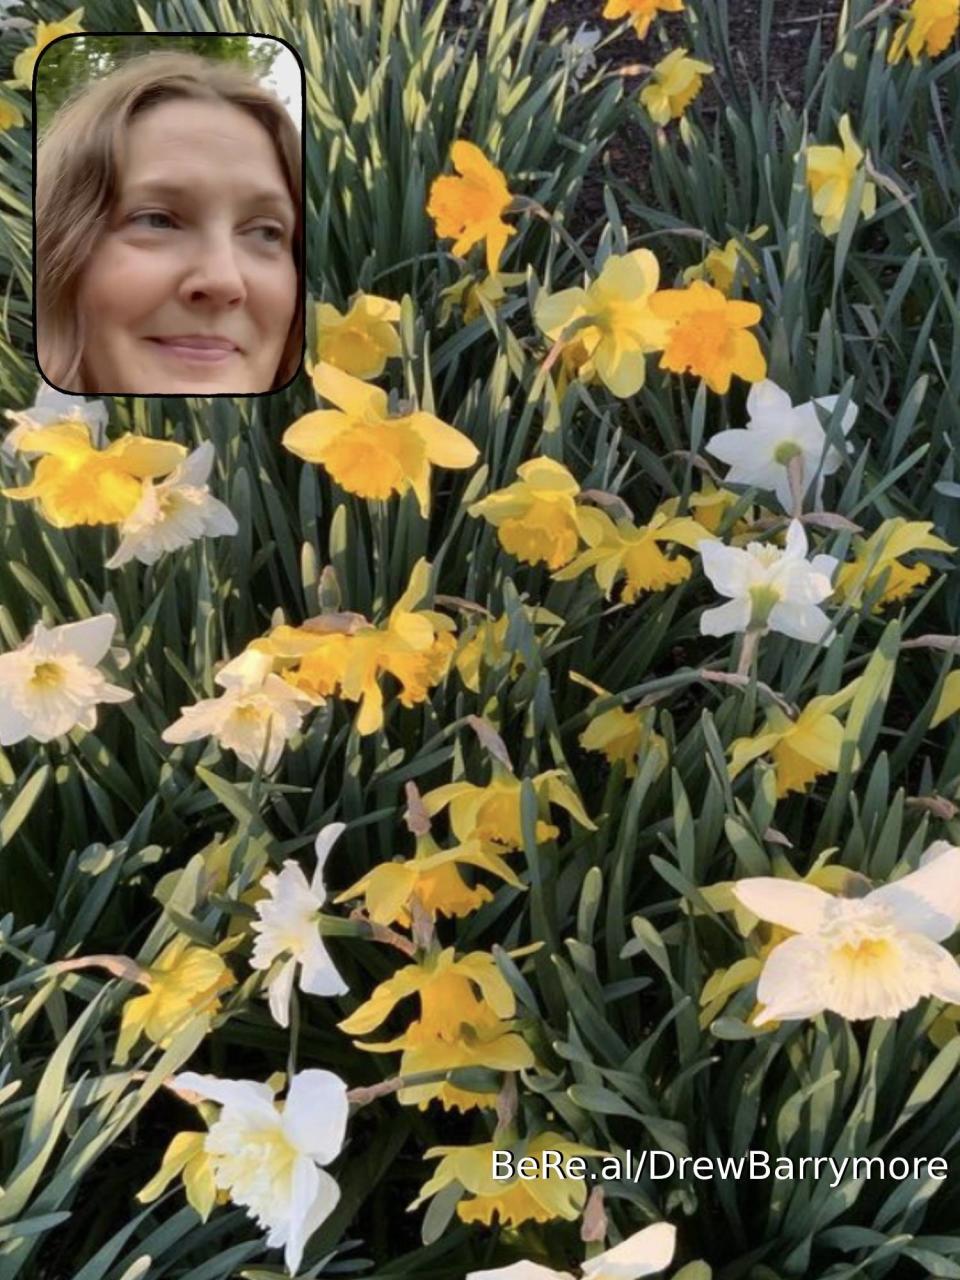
(169, 234)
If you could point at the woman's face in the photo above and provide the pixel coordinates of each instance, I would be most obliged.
(192, 287)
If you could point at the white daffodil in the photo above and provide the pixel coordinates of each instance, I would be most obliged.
(643, 1254)
(51, 683)
(870, 957)
(50, 408)
(174, 513)
(270, 1160)
(578, 51)
(777, 432)
(770, 588)
(287, 925)
(255, 704)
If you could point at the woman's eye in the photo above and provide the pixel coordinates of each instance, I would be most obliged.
(146, 219)
(272, 233)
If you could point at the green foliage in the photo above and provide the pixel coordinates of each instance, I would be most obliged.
(107, 838)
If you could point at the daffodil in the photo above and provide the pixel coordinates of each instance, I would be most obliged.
(831, 174)
(484, 644)
(492, 812)
(709, 335)
(270, 1158)
(708, 506)
(642, 1254)
(184, 983)
(640, 12)
(720, 265)
(619, 547)
(801, 749)
(869, 957)
(881, 553)
(676, 81)
(256, 708)
(370, 452)
(512, 1200)
(174, 513)
(447, 987)
(769, 588)
(927, 27)
(470, 207)
(52, 682)
(53, 408)
(626, 736)
(361, 340)
(75, 483)
(777, 432)
(45, 33)
(187, 1158)
(433, 877)
(286, 925)
(616, 325)
(468, 291)
(535, 517)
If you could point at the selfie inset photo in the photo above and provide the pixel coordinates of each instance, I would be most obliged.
(169, 215)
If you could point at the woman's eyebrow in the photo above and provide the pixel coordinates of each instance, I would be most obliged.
(160, 187)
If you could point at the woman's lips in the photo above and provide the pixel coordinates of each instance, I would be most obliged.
(195, 350)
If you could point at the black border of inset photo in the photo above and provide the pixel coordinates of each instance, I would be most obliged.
(301, 265)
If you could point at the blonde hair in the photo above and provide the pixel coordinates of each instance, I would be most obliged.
(78, 169)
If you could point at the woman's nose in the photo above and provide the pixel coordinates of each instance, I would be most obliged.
(214, 274)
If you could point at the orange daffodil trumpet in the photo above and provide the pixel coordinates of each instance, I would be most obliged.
(470, 207)
(640, 12)
(709, 335)
(869, 957)
(831, 174)
(369, 451)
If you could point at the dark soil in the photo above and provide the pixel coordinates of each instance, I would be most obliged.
(793, 27)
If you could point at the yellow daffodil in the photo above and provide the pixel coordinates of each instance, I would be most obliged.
(617, 326)
(446, 986)
(488, 1042)
(709, 335)
(831, 173)
(880, 553)
(512, 1200)
(640, 12)
(801, 749)
(927, 27)
(471, 207)
(625, 735)
(11, 117)
(676, 81)
(46, 33)
(492, 812)
(433, 877)
(468, 291)
(620, 547)
(484, 644)
(187, 1157)
(708, 506)
(720, 264)
(184, 982)
(361, 340)
(415, 646)
(74, 483)
(535, 517)
(367, 451)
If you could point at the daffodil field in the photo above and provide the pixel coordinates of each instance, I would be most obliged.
(536, 728)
